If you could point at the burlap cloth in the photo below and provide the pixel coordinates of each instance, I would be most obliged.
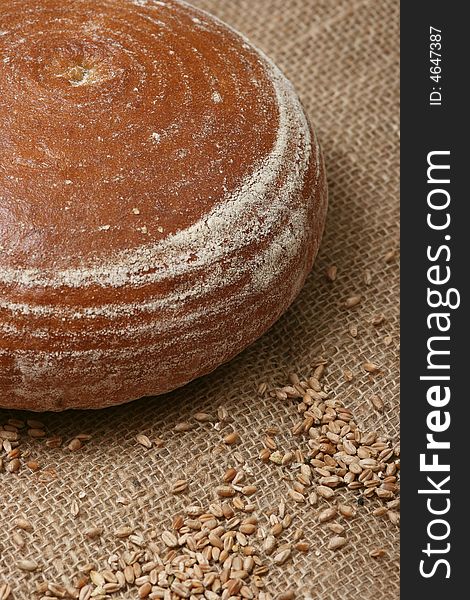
(342, 55)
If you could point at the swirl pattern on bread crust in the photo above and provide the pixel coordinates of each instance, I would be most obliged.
(162, 199)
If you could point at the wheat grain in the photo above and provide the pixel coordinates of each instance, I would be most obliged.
(74, 445)
(336, 542)
(27, 565)
(232, 438)
(377, 402)
(352, 301)
(5, 591)
(327, 514)
(23, 524)
(144, 441)
(179, 486)
(281, 557)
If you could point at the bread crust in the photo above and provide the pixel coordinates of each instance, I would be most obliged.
(162, 199)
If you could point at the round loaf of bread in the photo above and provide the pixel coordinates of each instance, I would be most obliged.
(162, 199)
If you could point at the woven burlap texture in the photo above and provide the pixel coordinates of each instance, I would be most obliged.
(342, 56)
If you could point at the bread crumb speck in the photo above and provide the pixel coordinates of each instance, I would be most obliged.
(216, 98)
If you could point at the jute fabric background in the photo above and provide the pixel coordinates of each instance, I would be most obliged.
(342, 56)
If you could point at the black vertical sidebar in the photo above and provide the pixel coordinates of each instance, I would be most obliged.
(435, 119)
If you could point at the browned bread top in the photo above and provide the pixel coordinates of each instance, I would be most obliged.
(158, 176)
